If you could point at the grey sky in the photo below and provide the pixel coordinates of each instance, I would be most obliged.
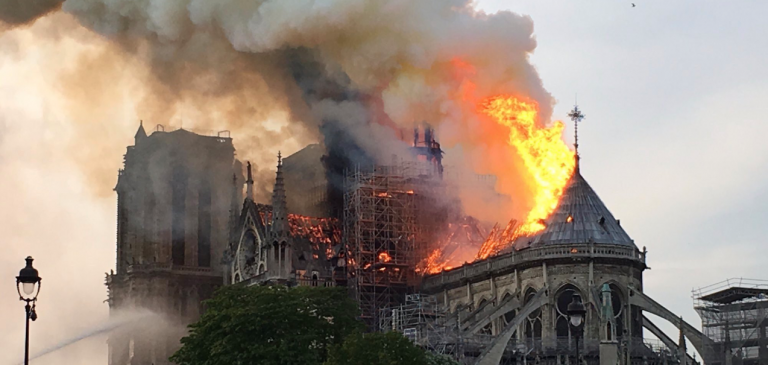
(675, 94)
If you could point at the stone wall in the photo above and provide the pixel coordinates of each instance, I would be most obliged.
(586, 277)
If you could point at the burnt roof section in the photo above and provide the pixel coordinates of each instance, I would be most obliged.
(580, 217)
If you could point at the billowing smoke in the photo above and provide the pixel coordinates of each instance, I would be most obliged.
(283, 73)
(77, 75)
(16, 12)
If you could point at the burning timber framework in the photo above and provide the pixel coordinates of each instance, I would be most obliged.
(388, 222)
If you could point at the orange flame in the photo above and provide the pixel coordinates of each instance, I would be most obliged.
(384, 257)
(431, 263)
(547, 159)
(458, 246)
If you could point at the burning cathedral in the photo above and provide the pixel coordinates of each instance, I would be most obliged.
(188, 221)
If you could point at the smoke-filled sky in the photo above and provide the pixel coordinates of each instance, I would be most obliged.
(672, 142)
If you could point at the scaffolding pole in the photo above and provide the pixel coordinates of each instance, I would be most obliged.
(380, 233)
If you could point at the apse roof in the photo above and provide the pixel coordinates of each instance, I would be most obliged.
(580, 217)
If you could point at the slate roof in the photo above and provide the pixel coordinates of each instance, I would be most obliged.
(590, 220)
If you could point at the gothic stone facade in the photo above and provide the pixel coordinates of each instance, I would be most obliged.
(175, 197)
(271, 246)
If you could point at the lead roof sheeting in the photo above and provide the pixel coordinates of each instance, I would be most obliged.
(582, 203)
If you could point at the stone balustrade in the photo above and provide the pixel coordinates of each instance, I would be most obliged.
(507, 262)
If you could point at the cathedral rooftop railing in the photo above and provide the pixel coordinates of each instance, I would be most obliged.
(508, 262)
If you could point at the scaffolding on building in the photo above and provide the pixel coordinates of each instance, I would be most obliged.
(733, 315)
(380, 233)
(422, 320)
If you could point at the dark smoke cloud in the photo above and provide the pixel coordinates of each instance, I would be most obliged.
(280, 74)
(340, 132)
(17, 12)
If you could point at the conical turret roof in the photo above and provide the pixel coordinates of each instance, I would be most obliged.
(141, 133)
(580, 217)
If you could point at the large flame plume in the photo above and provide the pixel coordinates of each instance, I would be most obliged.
(548, 162)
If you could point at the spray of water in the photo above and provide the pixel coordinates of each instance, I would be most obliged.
(113, 323)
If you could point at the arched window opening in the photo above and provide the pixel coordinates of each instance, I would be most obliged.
(314, 279)
(178, 214)
(487, 330)
(204, 225)
(150, 219)
(533, 328)
(563, 298)
(509, 316)
(481, 304)
(250, 248)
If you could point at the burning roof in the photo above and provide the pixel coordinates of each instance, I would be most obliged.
(317, 231)
(457, 246)
(580, 217)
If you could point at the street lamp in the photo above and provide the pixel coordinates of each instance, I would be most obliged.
(576, 313)
(28, 286)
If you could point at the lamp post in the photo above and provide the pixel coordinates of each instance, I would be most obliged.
(576, 313)
(28, 286)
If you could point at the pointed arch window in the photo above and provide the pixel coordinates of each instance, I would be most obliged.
(204, 225)
(563, 298)
(509, 316)
(533, 327)
(276, 252)
(178, 214)
(487, 329)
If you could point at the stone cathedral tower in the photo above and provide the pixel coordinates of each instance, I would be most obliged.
(174, 206)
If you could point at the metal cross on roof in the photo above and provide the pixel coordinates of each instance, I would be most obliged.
(576, 116)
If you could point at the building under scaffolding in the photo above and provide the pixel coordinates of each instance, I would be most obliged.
(380, 232)
(391, 217)
(733, 314)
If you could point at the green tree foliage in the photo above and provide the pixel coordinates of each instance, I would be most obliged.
(435, 359)
(382, 349)
(269, 325)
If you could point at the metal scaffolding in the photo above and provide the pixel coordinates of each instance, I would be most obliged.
(380, 233)
(422, 320)
(733, 315)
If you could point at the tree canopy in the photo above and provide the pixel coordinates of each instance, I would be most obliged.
(270, 325)
(389, 348)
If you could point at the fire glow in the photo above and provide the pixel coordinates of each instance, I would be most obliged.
(549, 164)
